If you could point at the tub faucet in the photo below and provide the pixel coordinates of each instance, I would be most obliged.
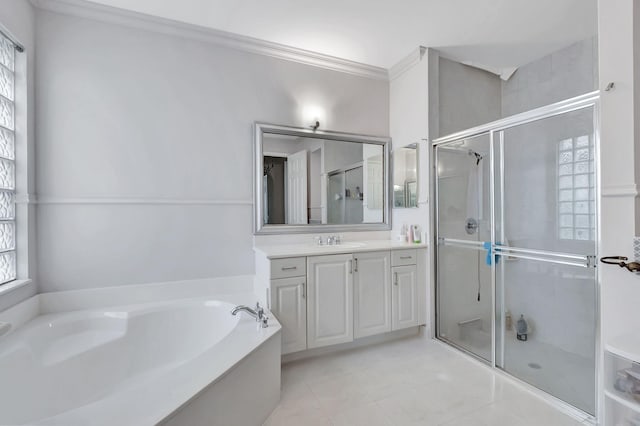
(257, 313)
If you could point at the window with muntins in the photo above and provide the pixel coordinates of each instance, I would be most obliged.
(576, 189)
(7, 162)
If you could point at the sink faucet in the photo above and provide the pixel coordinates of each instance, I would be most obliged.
(333, 240)
(257, 313)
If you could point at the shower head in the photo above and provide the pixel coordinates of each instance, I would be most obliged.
(477, 155)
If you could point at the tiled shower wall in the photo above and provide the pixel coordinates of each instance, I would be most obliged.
(564, 74)
(546, 302)
(560, 303)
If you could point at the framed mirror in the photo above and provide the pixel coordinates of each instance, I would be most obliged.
(319, 181)
(405, 177)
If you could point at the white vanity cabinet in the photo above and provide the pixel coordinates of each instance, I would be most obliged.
(371, 293)
(325, 296)
(329, 300)
(287, 301)
(289, 305)
(405, 294)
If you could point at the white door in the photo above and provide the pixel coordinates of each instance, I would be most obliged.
(372, 293)
(289, 305)
(404, 297)
(329, 300)
(297, 188)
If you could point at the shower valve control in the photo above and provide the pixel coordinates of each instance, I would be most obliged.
(471, 226)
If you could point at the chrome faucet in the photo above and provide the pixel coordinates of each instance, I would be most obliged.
(333, 240)
(257, 313)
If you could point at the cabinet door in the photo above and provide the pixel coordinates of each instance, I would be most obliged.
(372, 293)
(404, 297)
(329, 300)
(289, 305)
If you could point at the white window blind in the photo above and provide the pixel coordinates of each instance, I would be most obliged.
(7, 162)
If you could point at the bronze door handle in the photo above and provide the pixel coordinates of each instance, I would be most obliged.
(621, 262)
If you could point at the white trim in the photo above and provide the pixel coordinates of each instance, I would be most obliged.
(407, 63)
(275, 154)
(630, 190)
(24, 199)
(133, 201)
(102, 13)
(12, 285)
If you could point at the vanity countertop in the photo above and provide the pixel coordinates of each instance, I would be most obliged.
(295, 250)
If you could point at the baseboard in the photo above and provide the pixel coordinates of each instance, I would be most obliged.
(365, 341)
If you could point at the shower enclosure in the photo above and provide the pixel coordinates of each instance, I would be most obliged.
(516, 232)
(345, 196)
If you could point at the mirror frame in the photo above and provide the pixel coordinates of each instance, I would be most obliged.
(258, 160)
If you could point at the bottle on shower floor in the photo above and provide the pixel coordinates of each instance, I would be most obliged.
(522, 329)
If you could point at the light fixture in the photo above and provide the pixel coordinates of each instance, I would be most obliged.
(313, 114)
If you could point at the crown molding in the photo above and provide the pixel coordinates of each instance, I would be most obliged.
(407, 63)
(88, 10)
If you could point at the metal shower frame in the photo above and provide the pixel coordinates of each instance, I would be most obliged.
(495, 131)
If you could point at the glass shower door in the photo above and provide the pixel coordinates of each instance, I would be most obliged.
(335, 198)
(464, 314)
(545, 210)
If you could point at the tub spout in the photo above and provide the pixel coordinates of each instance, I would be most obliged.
(257, 313)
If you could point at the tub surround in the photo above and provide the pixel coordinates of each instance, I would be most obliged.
(332, 295)
(173, 391)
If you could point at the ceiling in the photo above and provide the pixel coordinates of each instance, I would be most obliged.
(494, 34)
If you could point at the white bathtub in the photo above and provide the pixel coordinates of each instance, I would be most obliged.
(173, 362)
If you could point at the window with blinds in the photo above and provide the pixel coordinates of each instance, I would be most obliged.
(7, 162)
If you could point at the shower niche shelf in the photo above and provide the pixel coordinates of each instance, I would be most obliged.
(622, 381)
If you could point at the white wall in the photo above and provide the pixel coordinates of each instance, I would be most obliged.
(619, 50)
(145, 148)
(18, 19)
(409, 123)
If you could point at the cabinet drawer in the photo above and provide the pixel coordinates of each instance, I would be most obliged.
(403, 257)
(289, 267)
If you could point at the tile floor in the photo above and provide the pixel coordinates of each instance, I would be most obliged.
(411, 381)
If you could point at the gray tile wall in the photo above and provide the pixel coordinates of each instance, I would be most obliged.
(569, 72)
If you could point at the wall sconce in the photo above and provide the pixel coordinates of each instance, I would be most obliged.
(314, 115)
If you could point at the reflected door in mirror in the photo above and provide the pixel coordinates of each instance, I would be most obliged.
(319, 181)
